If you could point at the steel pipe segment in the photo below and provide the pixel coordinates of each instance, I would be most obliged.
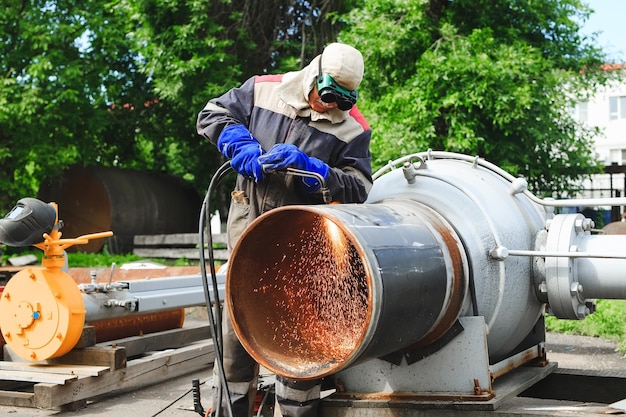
(315, 289)
(344, 283)
(572, 282)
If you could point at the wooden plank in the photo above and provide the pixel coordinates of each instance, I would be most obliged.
(109, 357)
(176, 253)
(141, 372)
(60, 385)
(178, 245)
(87, 337)
(17, 399)
(171, 363)
(167, 339)
(30, 376)
(176, 239)
(23, 260)
(113, 357)
(79, 370)
(218, 239)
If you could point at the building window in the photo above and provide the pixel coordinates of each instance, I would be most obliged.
(617, 156)
(617, 107)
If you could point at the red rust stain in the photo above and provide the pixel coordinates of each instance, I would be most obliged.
(404, 397)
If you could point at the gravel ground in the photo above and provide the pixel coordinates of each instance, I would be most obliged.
(172, 398)
(583, 352)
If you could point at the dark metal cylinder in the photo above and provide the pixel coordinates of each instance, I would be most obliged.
(314, 289)
(127, 202)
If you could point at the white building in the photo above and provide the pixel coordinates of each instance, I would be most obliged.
(607, 111)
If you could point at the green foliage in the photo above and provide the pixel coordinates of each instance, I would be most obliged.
(480, 78)
(68, 78)
(75, 259)
(119, 83)
(87, 260)
(91, 260)
(609, 322)
(195, 50)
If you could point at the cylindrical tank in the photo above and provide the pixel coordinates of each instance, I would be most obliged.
(486, 212)
(396, 273)
(127, 202)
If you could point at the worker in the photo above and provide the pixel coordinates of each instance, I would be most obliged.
(306, 120)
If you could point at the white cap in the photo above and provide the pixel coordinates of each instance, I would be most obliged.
(344, 63)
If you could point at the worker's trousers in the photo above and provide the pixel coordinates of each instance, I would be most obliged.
(296, 398)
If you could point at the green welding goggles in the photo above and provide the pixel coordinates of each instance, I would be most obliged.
(331, 92)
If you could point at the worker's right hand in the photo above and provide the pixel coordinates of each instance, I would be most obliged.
(238, 144)
(286, 155)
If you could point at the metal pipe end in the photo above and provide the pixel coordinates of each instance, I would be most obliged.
(298, 293)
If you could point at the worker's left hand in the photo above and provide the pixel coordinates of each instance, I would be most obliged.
(283, 156)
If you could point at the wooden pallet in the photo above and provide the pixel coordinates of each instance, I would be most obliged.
(120, 365)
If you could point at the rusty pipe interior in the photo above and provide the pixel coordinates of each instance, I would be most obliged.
(314, 289)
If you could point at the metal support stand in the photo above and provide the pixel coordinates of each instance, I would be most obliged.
(458, 376)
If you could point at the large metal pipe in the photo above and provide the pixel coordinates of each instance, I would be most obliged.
(423, 236)
(128, 202)
(314, 290)
(123, 298)
(584, 267)
(421, 255)
(344, 284)
(602, 277)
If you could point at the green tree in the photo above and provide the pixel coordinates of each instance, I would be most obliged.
(492, 78)
(120, 83)
(68, 83)
(196, 50)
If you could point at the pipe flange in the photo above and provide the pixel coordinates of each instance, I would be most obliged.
(539, 267)
(565, 294)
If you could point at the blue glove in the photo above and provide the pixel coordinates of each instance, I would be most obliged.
(283, 156)
(243, 150)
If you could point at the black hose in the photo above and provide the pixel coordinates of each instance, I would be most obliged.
(215, 319)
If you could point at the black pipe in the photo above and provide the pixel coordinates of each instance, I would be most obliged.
(314, 289)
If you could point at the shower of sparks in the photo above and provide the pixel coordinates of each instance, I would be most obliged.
(317, 295)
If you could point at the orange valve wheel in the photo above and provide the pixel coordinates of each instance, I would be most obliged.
(42, 313)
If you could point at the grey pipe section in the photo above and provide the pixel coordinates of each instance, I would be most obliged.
(599, 277)
(120, 299)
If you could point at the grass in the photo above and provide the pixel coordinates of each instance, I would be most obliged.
(86, 260)
(81, 259)
(608, 322)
